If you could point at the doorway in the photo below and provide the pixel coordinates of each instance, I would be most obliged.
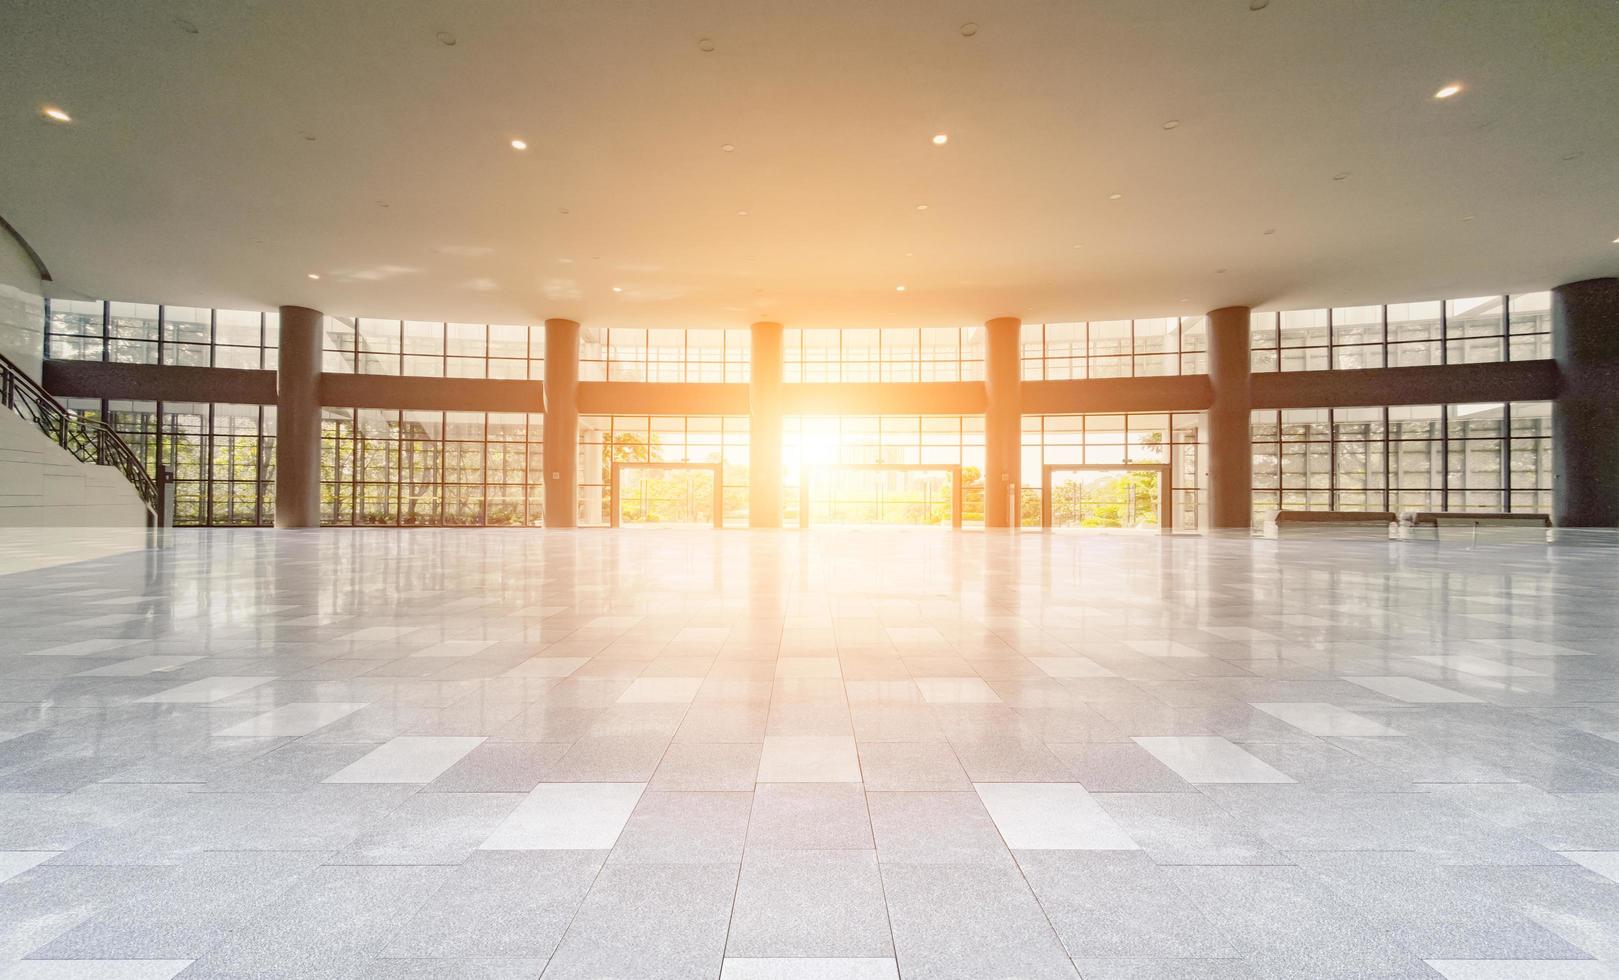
(667, 494)
(926, 494)
(1106, 496)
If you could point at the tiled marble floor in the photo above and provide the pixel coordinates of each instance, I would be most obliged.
(845, 754)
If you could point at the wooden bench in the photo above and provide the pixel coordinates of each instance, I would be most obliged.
(1370, 523)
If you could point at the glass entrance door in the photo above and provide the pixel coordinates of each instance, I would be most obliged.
(666, 494)
(1106, 498)
(880, 494)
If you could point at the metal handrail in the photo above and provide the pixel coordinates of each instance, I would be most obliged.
(90, 440)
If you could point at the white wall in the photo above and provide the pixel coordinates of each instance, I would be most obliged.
(22, 308)
(44, 485)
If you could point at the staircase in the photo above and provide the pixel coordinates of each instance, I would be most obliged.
(88, 440)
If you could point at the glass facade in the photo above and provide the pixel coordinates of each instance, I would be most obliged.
(814, 446)
(1490, 458)
(1177, 439)
(220, 457)
(430, 349)
(668, 356)
(662, 495)
(394, 467)
(1151, 347)
(140, 333)
(1459, 331)
(416, 468)
(818, 356)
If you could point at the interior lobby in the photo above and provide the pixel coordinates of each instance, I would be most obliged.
(836, 491)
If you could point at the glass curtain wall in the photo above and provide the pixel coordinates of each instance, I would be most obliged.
(1459, 331)
(816, 444)
(430, 349)
(1177, 439)
(141, 333)
(668, 356)
(888, 354)
(606, 439)
(1483, 458)
(424, 469)
(220, 457)
(1149, 347)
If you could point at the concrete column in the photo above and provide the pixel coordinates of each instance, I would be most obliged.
(764, 427)
(1003, 420)
(1231, 450)
(297, 419)
(1585, 416)
(561, 423)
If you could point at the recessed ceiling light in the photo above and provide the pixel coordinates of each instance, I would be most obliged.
(1076, 245)
(562, 210)
(921, 207)
(1448, 90)
(1270, 231)
(519, 144)
(1469, 217)
(382, 204)
(1172, 123)
(1219, 272)
(308, 137)
(1341, 176)
(446, 38)
(705, 45)
(1616, 241)
(618, 289)
(899, 289)
(52, 112)
(969, 29)
(940, 139)
(728, 147)
(1114, 196)
(314, 275)
(1258, 4)
(742, 214)
(909, 254)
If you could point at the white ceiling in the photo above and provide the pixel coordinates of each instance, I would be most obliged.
(187, 176)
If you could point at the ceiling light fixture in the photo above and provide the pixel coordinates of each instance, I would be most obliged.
(1448, 90)
(899, 289)
(969, 29)
(921, 207)
(52, 112)
(519, 144)
(705, 45)
(446, 38)
(1114, 196)
(618, 289)
(185, 25)
(562, 210)
(1258, 4)
(314, 275)
(742, 214)
(728, 147)
(1171, 124)
(940, 139)
(1341, 176)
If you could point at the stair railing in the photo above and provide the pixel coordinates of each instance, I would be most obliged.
(88, 439)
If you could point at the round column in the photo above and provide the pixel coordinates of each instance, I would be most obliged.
(1003, 420)
(764, 426)
(561, 423)
(1585, 416)
(1231, 450)
(297, 419)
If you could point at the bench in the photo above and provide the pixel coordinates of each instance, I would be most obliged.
(1433, 524)
(1370, 523)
